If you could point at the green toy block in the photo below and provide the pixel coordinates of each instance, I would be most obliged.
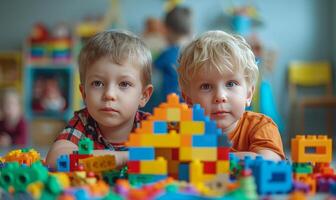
(302, 168)
(110, 177)
(85, 146)
(7, 176)
(52, 188)
(112, 196)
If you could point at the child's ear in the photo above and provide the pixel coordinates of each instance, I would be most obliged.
(249, 96)
(82, 91)
(146, 94)
(187, 99)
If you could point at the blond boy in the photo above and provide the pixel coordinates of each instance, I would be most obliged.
(115, 80)
(218, 71)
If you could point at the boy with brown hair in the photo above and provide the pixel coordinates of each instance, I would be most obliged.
(115, 80)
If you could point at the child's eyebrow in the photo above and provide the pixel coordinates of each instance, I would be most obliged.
(128, 76)
(95, 76)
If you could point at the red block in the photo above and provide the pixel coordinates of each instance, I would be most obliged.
(175, 154)
(74, 158)
(223, 153)
(209, 167)
(133, 167)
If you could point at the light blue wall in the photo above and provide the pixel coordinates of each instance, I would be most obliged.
(299, 29)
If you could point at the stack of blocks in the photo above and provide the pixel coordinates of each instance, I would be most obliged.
(270, 177)
(67, 163)
(179, 142)
(311, 156)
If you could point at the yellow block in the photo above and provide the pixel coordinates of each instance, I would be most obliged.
(63, 178)
(191, 127)
(192, 153)
(208, 177)
(159, 140)
(99, 163)
(205, 154)
(173, 114)
(222, 167)
(196, 171)
(158, 166)
(185, 154)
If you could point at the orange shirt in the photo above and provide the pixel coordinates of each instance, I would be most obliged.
(255, 132)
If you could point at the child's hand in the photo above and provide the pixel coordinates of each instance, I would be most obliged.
(5, 140)
(121, 158)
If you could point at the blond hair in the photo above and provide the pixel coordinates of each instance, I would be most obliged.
(220, 51)
(119, 47)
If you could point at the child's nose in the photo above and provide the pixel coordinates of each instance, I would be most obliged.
(221, 96)
(110, 94)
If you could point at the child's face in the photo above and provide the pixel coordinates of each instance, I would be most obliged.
(223, 96)
(113, 93)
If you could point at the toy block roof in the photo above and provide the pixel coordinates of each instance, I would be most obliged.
(173, 119)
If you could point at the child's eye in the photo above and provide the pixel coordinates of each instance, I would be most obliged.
(231, 83)
(205, 86)
(97, 83)
(125, 84)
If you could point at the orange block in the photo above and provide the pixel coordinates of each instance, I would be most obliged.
(186, 140)
(159, 114)
(186, 113)
(146, 127)
(311, 148)
(134, 140)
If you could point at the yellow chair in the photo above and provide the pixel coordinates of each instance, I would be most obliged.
(311, 74)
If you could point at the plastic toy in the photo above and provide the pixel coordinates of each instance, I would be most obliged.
(180, 142)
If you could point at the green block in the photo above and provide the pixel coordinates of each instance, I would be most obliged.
(302, 168)
(26, 175)
(139, 179)
(85, 146)
(7, 175)
(112, 196)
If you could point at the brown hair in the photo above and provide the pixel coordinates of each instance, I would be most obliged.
(120, 47)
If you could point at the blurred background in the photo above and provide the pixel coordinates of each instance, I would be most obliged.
(40, 41)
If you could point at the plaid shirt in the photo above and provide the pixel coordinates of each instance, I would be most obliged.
(83, 125)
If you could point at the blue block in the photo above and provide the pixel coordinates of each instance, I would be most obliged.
(82, 193)
(223, 141)
(204, 140)
(160, 127)
(272, 177)
(210, 127)
(247, 162)
(198, 113)
(183, 172)
(63, 163)
(184, 196)
(141, 153)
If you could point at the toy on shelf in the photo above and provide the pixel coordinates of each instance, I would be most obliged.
(244, 18)
(11, 70)
(45, 47)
